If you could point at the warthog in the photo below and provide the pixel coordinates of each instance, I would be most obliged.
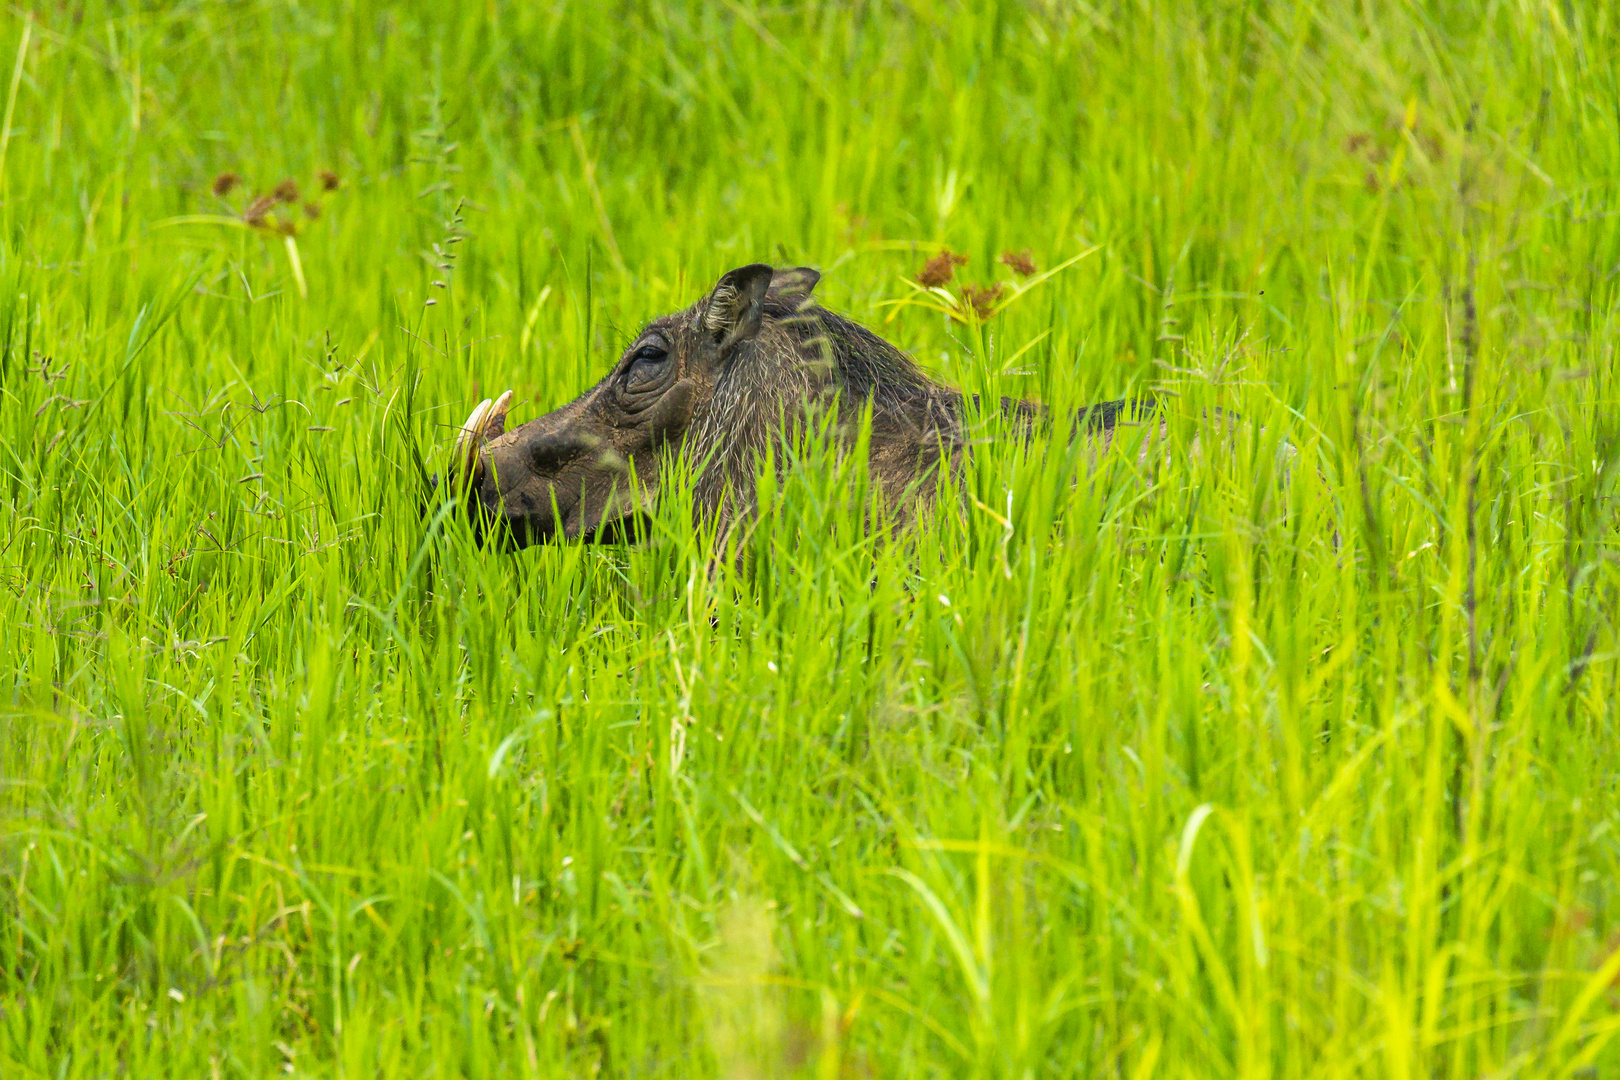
(723, 382)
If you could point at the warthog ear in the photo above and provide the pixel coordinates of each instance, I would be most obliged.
(737, 304)
(795, 284)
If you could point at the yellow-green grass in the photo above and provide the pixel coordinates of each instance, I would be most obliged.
(1167, 770)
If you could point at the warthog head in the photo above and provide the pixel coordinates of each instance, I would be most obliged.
(722, 382)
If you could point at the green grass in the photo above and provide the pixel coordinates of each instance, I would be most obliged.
(1171, 770)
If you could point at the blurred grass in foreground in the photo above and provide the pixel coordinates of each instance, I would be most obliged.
(1169, 771)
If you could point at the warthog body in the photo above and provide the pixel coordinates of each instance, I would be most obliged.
(725, 381)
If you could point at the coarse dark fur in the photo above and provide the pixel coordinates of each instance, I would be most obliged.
(725, 382)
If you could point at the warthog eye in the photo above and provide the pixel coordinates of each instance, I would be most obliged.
(648, 365)
(646, 376)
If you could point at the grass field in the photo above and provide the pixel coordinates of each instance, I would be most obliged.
(1159, 770)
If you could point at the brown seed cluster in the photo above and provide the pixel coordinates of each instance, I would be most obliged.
(261, 210)
(940, 269)
(255, 212)
(981, 299)
(1374, 148)
(1021, 263)
(977, 303)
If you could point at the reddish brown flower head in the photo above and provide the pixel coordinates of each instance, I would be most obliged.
(287, 228)
(329, 180)
(254, 213)
(224, 182)
(940, 269)
(982, 298)
(312, 211)
(1021, 263)
(286, 191)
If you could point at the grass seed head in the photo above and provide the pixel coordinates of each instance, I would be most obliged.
(982, 299)
(286, 192)
(940, 269)
(1021, 263)
(224, 183)
(255, 211)
(329, 180)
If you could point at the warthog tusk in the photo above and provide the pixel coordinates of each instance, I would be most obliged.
(469, 440)
(495, 422)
